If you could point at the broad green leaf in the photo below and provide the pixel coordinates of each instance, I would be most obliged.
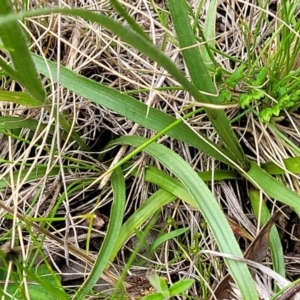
(245, 100)
(19, 98)
(13, 38)
(143, 45)
(157, 282)
(207, 205)
(163, 285)
(202, 80)
(111, 237)
(261, 77)
(272, 187)
(236, 76)
(155, 296)
(257, 94)
(180, 286)
(292, 164)
(129, 108)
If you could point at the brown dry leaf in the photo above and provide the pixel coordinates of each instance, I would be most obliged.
(291, 293)
(238, 229)
(255, 252)
(259, 247)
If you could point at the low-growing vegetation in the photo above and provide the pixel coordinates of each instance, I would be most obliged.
(149, 149)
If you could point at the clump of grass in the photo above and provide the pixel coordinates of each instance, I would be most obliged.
(138, 75)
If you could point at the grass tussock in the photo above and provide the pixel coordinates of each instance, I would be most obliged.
(148, 148)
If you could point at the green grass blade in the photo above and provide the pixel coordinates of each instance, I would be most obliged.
(65, 124)
(169, 184)
(111, 238)
(8, 70)
(272, 187)
(202, 80)
(208, 207)
(36, 173)
(292, 164)
(209, 32)
(45, 284)
(123, 12)
(172, 189)
(7, 123)
(23, 69)
(274, 239)
(141, 215)
(13, 38)
(218, 175)
(181, 286)
(143, 45)
(129, 108)
(129, 36)
(167, 236)
(19, 98)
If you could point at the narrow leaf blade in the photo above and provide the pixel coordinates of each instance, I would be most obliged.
(19, 53)
(114, 227)
(207, 206)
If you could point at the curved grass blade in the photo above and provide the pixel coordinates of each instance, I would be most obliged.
(12, 123)
(37, 172)
(175, 187)
(202, 80)
(292, 164)
(167, 236)
(19, 98)
(141, 215)
(272, 187)
(216, 175)
(130, 108)
(208, 207)
(171, 190)
(13, 39)
(23, 69)
(143, 45)
(129, 36)
(209, 32)
(111, 238)
(123, 12)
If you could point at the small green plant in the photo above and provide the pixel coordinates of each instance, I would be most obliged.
(41, 283)
(263, 80)
(248, 87)
(162, 291)
(275, 84)
(273, 96)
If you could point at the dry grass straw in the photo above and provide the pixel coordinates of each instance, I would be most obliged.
(92, 51)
